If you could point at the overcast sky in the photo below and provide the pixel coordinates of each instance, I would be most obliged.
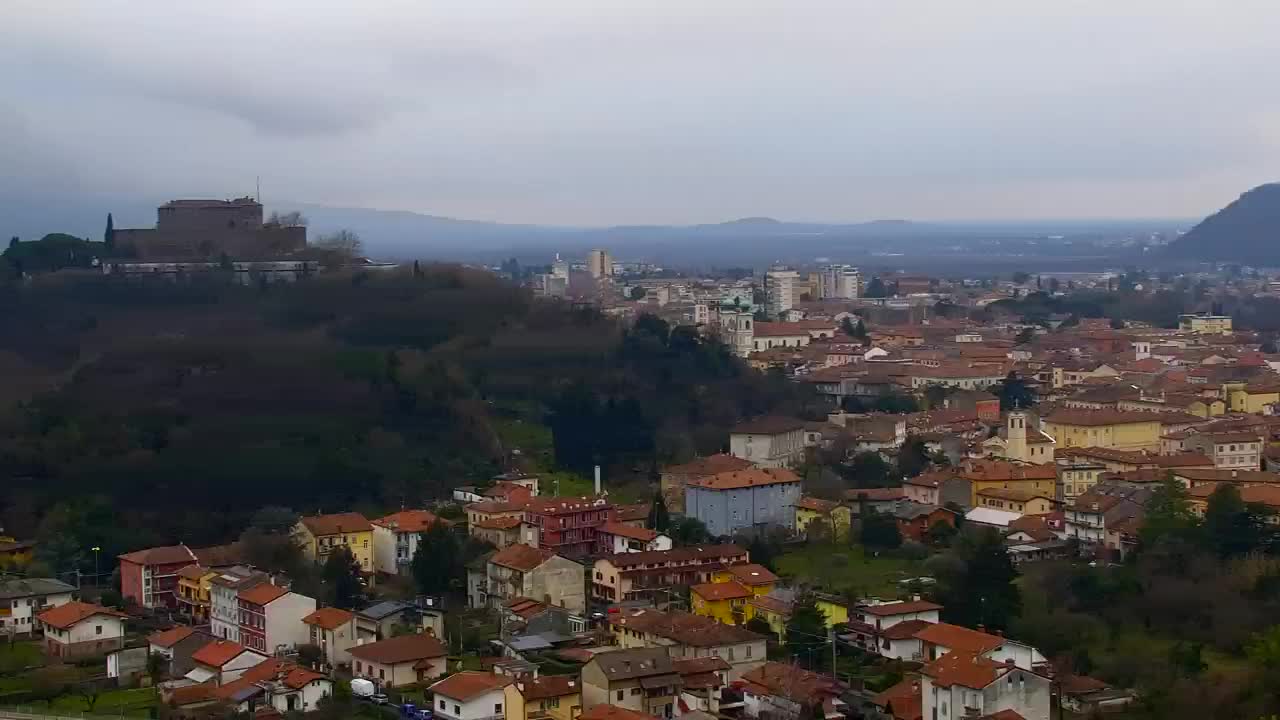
(639, 111)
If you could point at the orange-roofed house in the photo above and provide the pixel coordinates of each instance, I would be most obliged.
(744, 500)
(940, 639)
(722, 601)
(623, 538)
(79, 629)
(221, 662)
(524, 571)
(149, 577)
(401, 660)
(333, 630)
(281, 685)
(471, 695)
(195, 583)
(991, 474)
(759, 579)
(832, 517)
(968, 685)
(548, 697)
(395, 539)
(320, 535)
(271, 618)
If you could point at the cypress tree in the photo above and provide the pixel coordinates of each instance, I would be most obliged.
(109, 237)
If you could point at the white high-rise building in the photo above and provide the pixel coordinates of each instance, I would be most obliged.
(599, 264)
(840, 281)
(781, 289)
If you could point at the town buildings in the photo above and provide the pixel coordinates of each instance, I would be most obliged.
(22, 600)
(149, 578)
(747, 500)
(395, 539)
(77, 629)
(271, 618)
(320, 535)
(568, 526)
(224, 599)
(961, 684)
(689, 636)
(398, 661)
(769, 442)
(524, 571)
(641, 679)
(210, 229)
(333, 630)
(652, 575)
(471, 695)
(782, 290)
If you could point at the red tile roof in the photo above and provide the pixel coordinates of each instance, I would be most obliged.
(521, 557)
(167, 555)
(875, 494)
(712, 592)
(612, 712)
(903, 700)
(172, 636)
(468, 684)
(218, 653)
(549, 686)
(329, 618)
(905, 629)
(396, 650)
(905, 607)
(993, 470)
(788, 681)
(737, 479)
(336, 524)
(817, 505)
(709, 465)
(964, 669)
(752, 574)
(263, 594)
(959, 639)
(1093, 418)
(409, 521)
(676, 556)
(692, 630)
(65, 616)
(628, 531)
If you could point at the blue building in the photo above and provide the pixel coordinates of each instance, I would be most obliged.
(737, 500)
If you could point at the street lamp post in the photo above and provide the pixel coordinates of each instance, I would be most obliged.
(97, 578)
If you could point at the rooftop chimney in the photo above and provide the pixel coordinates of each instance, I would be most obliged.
(597, 480)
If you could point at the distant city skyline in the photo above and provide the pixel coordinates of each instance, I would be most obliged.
(661, 112)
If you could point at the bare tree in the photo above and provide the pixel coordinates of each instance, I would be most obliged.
(344, 242)
(292, 218)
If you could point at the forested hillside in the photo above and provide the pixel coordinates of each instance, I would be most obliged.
(1243, 232)
(158, 412)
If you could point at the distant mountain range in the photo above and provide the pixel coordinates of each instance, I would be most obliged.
(744, 242)
(1246, 231)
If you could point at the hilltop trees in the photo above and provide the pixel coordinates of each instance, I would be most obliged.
(979, 588)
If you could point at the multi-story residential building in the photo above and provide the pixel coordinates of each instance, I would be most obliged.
(224, 599)
(653, 575)
(957, 375)
(568, 527)
(959, 685)
(640, 679)
(549, 697)
(1229, 450)
(195, 585)
(22, 600)
(1023, 502)
(382, 620)
(782, 290)
(982, 475)
(149, 577)
(888, 629)
(756, 578)
(724, 602)
(1076, 477)
(689, 636)
(1250, 397)
(471, 695)
(599, 264)
(76, 629)
(333, 630)
(1205, 324)
(840, 282)
(319, 535)
(398, 661)
(746, 500)
(776, 442)
(1104, 505)
(524, 571)
(271, 618)
(1105, 429)
(395, 539)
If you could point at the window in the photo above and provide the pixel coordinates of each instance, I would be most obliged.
(97, 629)
(497, 708)
(382, 674)
(359, 666)
(457, 710)
(442, 705)
(748, 652)
(635, 691)
(621, 695)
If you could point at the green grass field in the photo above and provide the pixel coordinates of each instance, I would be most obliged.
(19, 655)
(135, 703)
(841, 569)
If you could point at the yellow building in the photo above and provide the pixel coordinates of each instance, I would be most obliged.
(554, 697)
(992, 474)
(194, 586)
(320, 535)
(756, 578)
(834, 517)
(1204, 323)
(15, 555)
(773, 611)
(1019, 501)
(834, 609)
(1250, 398)
(1078, 477)
(1104, 429)
(725, 602)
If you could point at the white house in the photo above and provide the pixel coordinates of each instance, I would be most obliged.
(395, 539)
(888, 629)
(333, 630)
(21, 600)
(773, 442)
(398, 661)
(471, 695)
(624, 538)
(271, 618)
(960, 685)
(224, 599)
(222, 661)
(77, 629)
(277, 683)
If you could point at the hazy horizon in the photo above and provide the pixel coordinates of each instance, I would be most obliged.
(577, 114)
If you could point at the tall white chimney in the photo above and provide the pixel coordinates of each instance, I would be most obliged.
(597, 480)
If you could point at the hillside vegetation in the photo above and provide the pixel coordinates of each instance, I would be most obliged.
(1246, 231)
(177, 410)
